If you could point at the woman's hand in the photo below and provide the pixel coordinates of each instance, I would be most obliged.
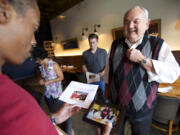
(47, 83)
(42, 82)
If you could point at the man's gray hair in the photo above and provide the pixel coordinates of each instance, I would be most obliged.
(146, 12)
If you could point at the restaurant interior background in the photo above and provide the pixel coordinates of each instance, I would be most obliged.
(65, 20)
(109, 14)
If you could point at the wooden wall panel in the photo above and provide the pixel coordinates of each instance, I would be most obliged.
(70, 60)
(177, 56)
(77, 60)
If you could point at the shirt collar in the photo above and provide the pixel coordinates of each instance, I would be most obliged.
(135, 45)
(96, 49)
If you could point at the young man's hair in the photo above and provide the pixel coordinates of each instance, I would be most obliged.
(40, 53)
(20, 6)
(92, 36)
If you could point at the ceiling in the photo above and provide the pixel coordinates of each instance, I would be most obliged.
(52, 8)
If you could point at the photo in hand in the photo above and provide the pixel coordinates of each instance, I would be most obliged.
(80, 94)
(92, 77)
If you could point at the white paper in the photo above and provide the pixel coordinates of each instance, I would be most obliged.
(80, 94)
(165, 89)
(92, 77)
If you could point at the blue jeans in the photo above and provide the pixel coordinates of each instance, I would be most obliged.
(54, 105)
(102, 89)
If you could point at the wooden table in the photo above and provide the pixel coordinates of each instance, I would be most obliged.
(69, 70)
(175, 92)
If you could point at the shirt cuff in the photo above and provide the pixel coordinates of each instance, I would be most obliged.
(152, 76)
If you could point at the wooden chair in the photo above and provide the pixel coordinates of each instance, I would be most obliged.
(167, 111)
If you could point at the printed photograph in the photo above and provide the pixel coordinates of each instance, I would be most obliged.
(103, 114)
(79, 96)
(92, 76)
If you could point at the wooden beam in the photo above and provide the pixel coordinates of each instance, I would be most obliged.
(52, 8)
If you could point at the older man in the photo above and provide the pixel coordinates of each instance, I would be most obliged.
(137, 64)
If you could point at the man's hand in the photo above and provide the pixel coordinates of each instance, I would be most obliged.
(107, 129)
(66, 111)
(84, 68)
(101, 74)
(135, 55)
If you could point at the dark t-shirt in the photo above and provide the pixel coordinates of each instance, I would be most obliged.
(95, 63)
(20, 114)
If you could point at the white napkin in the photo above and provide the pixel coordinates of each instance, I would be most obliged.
(165, 89)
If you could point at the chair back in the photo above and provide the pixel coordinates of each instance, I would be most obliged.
(166, 109)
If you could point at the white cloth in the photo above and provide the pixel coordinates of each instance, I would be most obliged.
(166, 67)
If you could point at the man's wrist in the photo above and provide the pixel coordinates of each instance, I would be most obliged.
(52, 118)
(144, 62)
